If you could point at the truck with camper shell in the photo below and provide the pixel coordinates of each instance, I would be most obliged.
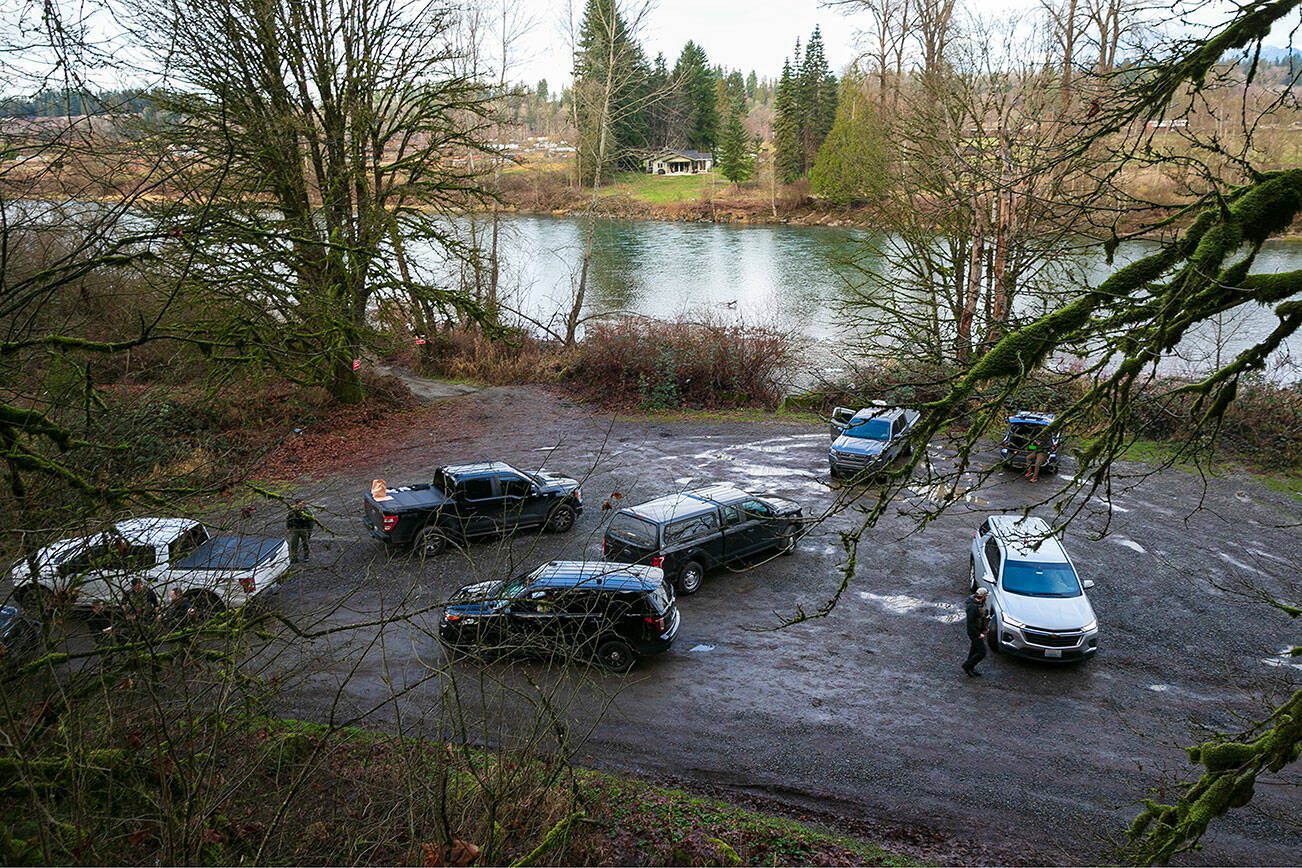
(692, 532)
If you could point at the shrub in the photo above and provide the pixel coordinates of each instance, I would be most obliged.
(653, 364)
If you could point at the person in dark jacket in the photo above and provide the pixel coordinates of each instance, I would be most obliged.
(978, 621)
(299, 524)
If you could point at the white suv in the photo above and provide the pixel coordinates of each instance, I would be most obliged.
(1039, 607)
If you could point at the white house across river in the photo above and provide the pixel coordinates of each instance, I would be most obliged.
(674, 162)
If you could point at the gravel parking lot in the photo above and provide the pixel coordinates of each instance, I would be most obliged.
(862, 716)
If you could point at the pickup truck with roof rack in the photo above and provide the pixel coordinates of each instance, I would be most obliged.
(466, 501)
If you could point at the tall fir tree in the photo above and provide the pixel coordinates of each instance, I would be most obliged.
(788, 159)
(699, 113)
(817, 93)
(610, 90)
(733, 154)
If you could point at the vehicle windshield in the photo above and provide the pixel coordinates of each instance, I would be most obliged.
(873, 429)
(1030, 579)
(628, 528)
(510, 588)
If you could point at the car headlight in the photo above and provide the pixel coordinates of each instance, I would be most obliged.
(1010, 620)
(1091, 626)
(578, 495)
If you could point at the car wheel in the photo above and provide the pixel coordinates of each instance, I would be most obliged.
(787, 544)
(615, 655)
(430, 542)
(204, 604)
(992, 639)
(561, 519)
(689, 578)
(835, 474)
(907, 451)
(971, 576)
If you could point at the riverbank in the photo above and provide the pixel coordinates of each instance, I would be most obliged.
(549, 190)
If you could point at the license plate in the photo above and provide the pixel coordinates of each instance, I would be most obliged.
(1053, 652)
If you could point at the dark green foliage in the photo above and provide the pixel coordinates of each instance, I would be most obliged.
(611, 91)
(852, 163)
(733, 156)
(804, 109)
(695, 85)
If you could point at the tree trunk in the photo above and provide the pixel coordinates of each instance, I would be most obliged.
(963, 340)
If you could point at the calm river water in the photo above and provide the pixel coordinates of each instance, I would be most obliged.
(791, 277)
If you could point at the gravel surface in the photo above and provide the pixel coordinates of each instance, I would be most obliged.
(862, 718)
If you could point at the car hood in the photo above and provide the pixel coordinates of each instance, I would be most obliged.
(475, 600)
(858, 446)
(1048, 613)
(550, 481)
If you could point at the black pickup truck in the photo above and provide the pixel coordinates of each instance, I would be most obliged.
(686, 534)
(465, 501)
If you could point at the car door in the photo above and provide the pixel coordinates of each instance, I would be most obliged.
(482, 506)
(841, 417)
(83, 573)
(520, 507)
(696, 538)
(536, 622)
(991, 557)
(744, 529)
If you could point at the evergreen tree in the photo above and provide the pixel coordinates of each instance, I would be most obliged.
(541, 90)
(752, 85)
(734, 159)
(852, 163)
(659, 109)
(610, 90)
(788, 159)
(817, 93)
(698, 111)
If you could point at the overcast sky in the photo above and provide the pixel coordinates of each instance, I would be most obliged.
(738, 34)
(749, 34)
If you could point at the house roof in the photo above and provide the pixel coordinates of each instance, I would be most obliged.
(685, 154)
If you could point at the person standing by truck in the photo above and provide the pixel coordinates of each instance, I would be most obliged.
(977, 617)
(299, 523)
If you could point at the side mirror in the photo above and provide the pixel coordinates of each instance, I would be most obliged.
(1088, 583)
(535, 490)
(989, 578)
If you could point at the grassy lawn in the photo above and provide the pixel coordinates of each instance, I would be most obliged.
(661, 189)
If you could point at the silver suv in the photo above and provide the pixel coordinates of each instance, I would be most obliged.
(1039, 607)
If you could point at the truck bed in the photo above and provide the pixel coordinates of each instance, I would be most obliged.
(230, 553)
(407, 498)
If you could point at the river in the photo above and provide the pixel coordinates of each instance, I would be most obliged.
(791, 277)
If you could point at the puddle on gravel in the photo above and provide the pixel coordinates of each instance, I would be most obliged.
(903, 604)
(1129, 543)
(1284, 659)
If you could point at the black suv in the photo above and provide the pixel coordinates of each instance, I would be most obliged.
(686, 534)
(471, 500)
(614, 613)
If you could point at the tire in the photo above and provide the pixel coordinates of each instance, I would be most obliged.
(430, 542)
(835, 474)
(787, 544)
(689, 578)
(971, 576)
(205, 604)
(561, 519)
(907, 451)
(992, 638)
(615, 655)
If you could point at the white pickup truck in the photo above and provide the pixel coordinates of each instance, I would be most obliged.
(170, 554)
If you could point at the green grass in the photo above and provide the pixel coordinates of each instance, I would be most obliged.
(661, 189)
(1158, 452)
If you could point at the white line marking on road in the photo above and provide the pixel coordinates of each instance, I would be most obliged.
(1129, 543)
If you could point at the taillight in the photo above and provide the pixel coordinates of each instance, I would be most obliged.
(451, 616)
(248, 584)
(389, 523)
(605, 546)
(658, 560)
(658, 623)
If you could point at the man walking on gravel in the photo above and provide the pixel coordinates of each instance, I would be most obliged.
(299, 524)
(978, 621)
